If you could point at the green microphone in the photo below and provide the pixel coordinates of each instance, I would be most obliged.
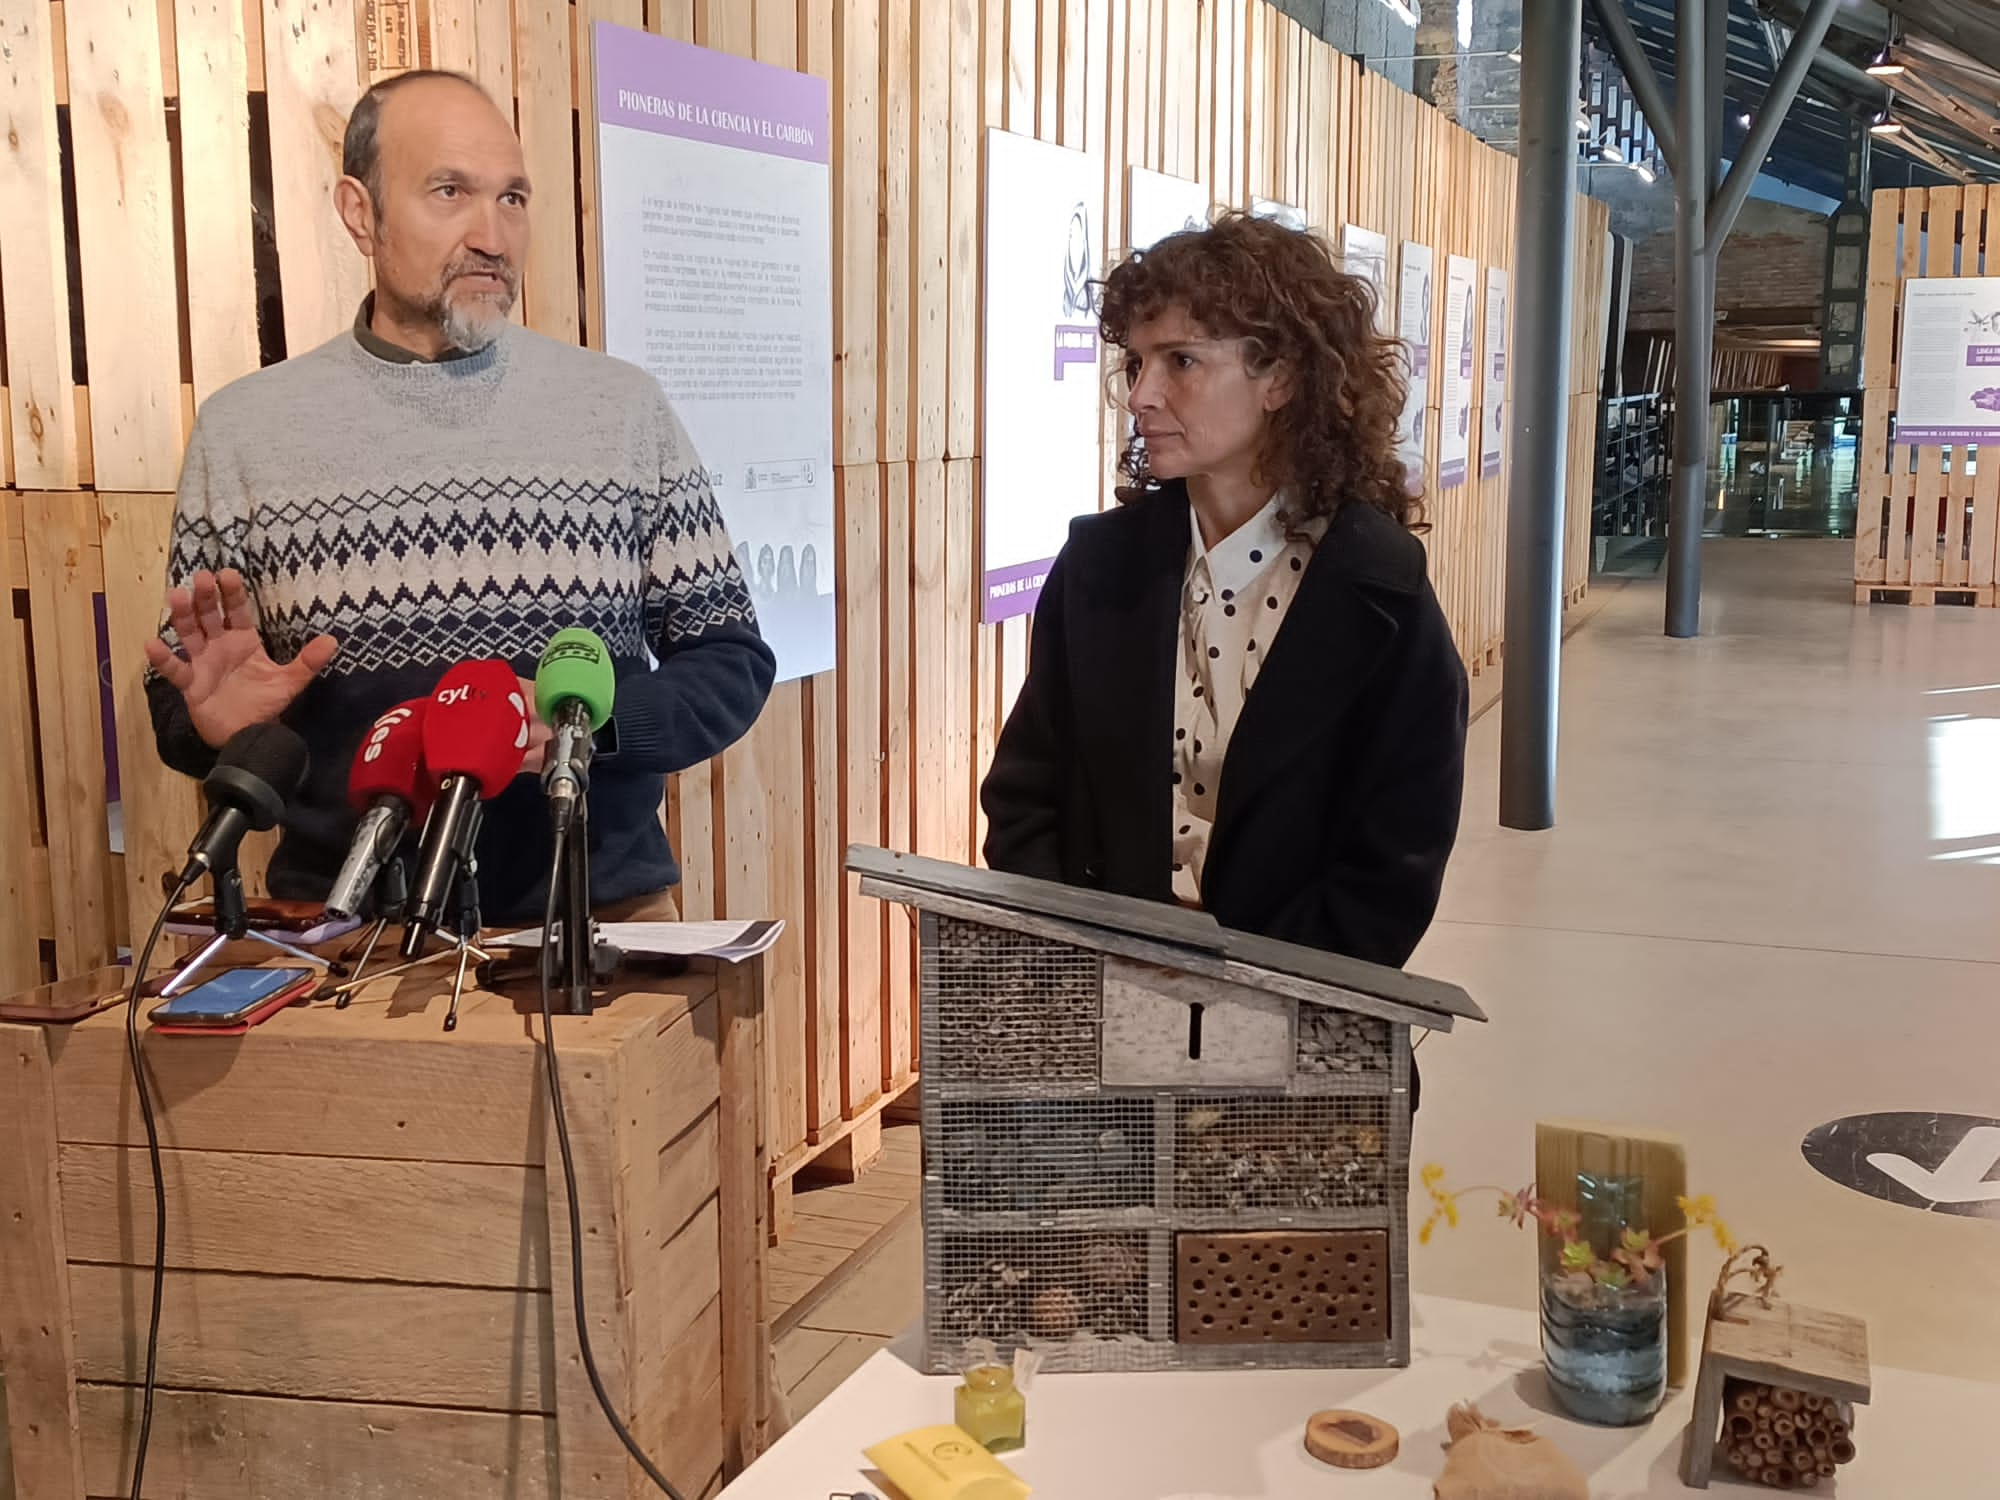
(574, 684)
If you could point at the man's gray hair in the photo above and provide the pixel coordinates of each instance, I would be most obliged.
(361, 147)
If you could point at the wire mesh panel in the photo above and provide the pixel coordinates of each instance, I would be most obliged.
(1080, 1296)
(1006, 1013)
(1042, 1156)
(1338, 1043)
(1295, 1156)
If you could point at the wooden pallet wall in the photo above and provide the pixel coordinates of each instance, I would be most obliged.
(1926, 523)
(161, 102)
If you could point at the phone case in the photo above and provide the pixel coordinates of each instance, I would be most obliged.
(68, 1000)
(185, 1019)
(264, 1012)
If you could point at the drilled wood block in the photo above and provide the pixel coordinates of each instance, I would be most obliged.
(1272, 1286)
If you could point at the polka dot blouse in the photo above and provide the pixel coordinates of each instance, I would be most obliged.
(1233, 599)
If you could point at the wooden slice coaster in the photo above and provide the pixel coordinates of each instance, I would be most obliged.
(1350, 1439)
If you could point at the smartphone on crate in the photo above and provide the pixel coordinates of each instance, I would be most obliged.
(69, 999)
(236, 999)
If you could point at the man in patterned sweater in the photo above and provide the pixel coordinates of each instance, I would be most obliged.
(440, 484)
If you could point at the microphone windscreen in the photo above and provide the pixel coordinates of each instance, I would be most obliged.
(272, 753)
(575, 667)
(477, 726)
(390, 762)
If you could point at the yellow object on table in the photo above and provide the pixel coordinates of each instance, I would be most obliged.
(990, 1408)
(945, 1463)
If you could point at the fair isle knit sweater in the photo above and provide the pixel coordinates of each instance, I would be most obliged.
(424, 514)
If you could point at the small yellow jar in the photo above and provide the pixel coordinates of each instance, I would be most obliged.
(988, 1407)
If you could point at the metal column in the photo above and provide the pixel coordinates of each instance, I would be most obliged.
(1694, 322)
(1551, 61)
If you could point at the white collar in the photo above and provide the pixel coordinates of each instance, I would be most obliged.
(1235, 561)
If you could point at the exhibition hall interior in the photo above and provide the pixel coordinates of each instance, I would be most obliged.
(948, 749)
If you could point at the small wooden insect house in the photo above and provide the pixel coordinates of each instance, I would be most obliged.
(1153, 1143)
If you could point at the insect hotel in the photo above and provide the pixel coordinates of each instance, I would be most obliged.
(1152, 1143)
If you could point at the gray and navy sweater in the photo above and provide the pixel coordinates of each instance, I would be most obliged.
(427, 513)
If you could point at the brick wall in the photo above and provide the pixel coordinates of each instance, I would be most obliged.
(1774, 259)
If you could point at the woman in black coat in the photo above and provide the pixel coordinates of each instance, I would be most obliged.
(1241, 692)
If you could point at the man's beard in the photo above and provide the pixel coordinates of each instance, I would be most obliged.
(472, 323)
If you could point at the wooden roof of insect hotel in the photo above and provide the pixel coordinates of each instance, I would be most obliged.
(1156, 933)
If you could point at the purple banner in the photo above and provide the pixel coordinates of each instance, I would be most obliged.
(1489, 461)
(1420, 361)
(1013, 591)
(648, 82)
(1451, 475)
(1912, 437)
(1982, 355)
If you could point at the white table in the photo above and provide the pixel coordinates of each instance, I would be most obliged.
(1237, 1435)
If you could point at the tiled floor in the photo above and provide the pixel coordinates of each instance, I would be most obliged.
(1770, 902)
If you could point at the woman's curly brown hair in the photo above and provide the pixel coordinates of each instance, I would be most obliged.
(1284, 293)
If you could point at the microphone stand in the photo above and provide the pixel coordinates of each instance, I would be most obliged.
(232, 925)
(578, 963)
(392, 901)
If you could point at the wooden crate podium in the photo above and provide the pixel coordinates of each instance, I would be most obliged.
(368, 1287)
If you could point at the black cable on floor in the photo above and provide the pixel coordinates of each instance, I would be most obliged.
(569, 1179)
(145, 957)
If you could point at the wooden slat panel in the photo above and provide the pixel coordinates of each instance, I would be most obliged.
(331, 1340)
(214, 68)
(961, 590)
(777, 33)
(481, 1109)
(454, 37)
(312, 78)
(857, 194)
(726, 26)
(161, 808)
(34, 286)
(674, 18)
(36, 1320)
(930, 664)
(961, 435)
(545, 72)
(824, 930)
(893, 295)
(231, 1447)
(61, 531)
(1879, 307)
(438, 1223)
(858, 493)
(780, 740)
(700, 869)
(931, 170)
(899, 772)
(20, 931)
(1924, 515)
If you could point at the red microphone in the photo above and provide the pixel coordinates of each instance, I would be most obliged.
(475, 734)
(390, 786)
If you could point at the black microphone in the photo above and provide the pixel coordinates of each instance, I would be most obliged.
(475, 732)
(257, 772)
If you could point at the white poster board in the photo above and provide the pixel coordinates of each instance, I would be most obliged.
(1461, 282)
(1043, 398)
(1157, 205)
(1413, 326)
(1278, 210)
(1365, 253)
(1950, 369)
(715, 197)
(1493, 396)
